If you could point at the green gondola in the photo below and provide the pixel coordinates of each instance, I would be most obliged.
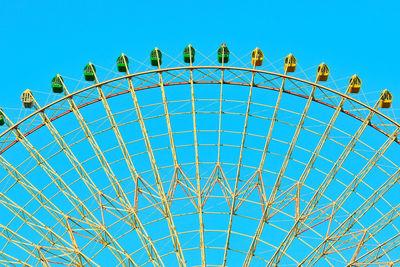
(223, 54)
(156, 57)
(57, 84)
(188, 54)
(89, 72)
(122, 63)
(2, 119)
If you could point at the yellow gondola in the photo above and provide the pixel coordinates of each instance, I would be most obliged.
(27, 98)
(354, 84)
(386, 99)
(322, 72)
(290, 63)
(257, 57)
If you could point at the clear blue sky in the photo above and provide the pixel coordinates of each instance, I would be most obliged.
(41, 38)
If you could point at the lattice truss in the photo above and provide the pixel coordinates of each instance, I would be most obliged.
(200, 165)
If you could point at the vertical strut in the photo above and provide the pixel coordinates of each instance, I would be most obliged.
(257, 234)
(238, 168)
(321, 189)
(59, 182)
(36, 225)
(166, 209)
(174, 235)
(143, 236)
(20, 242)
(199, 194)
(81, 171)
(280, 174)
(348, 191)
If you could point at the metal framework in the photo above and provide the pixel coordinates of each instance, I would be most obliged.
(147, 169)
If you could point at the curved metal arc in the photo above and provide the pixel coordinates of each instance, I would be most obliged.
(70, 95)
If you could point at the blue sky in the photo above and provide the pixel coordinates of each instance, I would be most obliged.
(41, 38)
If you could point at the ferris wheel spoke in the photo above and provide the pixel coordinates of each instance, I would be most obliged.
(164, 199)
(37, 226)
(222, 81)
(258, 232)
(235, 190)
(60, 224)
(367, 168)
(383, 248)
(319, 146)
(23, 244)
(218, 175)
(299, 223)
(199, 191)
(68, 152)
(42, 199)
(372, 230)
(369, 203)
(56, 178)
(376, 253)
(8, 260)
(103, 238)
(145, 239)
(272, 197)
(346, 194)
(129, 163)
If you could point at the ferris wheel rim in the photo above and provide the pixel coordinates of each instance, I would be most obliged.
(182, 83)
(129, 76)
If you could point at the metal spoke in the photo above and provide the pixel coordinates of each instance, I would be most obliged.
(294, 231)
(171, 224)
(145, 239)
(235, 190)
(149, 205)
(259, 230)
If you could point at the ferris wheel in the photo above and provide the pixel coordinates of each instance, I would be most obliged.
(200, 165)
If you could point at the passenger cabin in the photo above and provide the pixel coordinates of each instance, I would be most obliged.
(188, 54)
(354, 84)
(89, 72)
(57, 84)
(322, 72)
(27, 98)
(386, 99)
(156, 57)
(257, 57)
(122, 63)
(290, 63)
(223, 54)
(2, 119)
